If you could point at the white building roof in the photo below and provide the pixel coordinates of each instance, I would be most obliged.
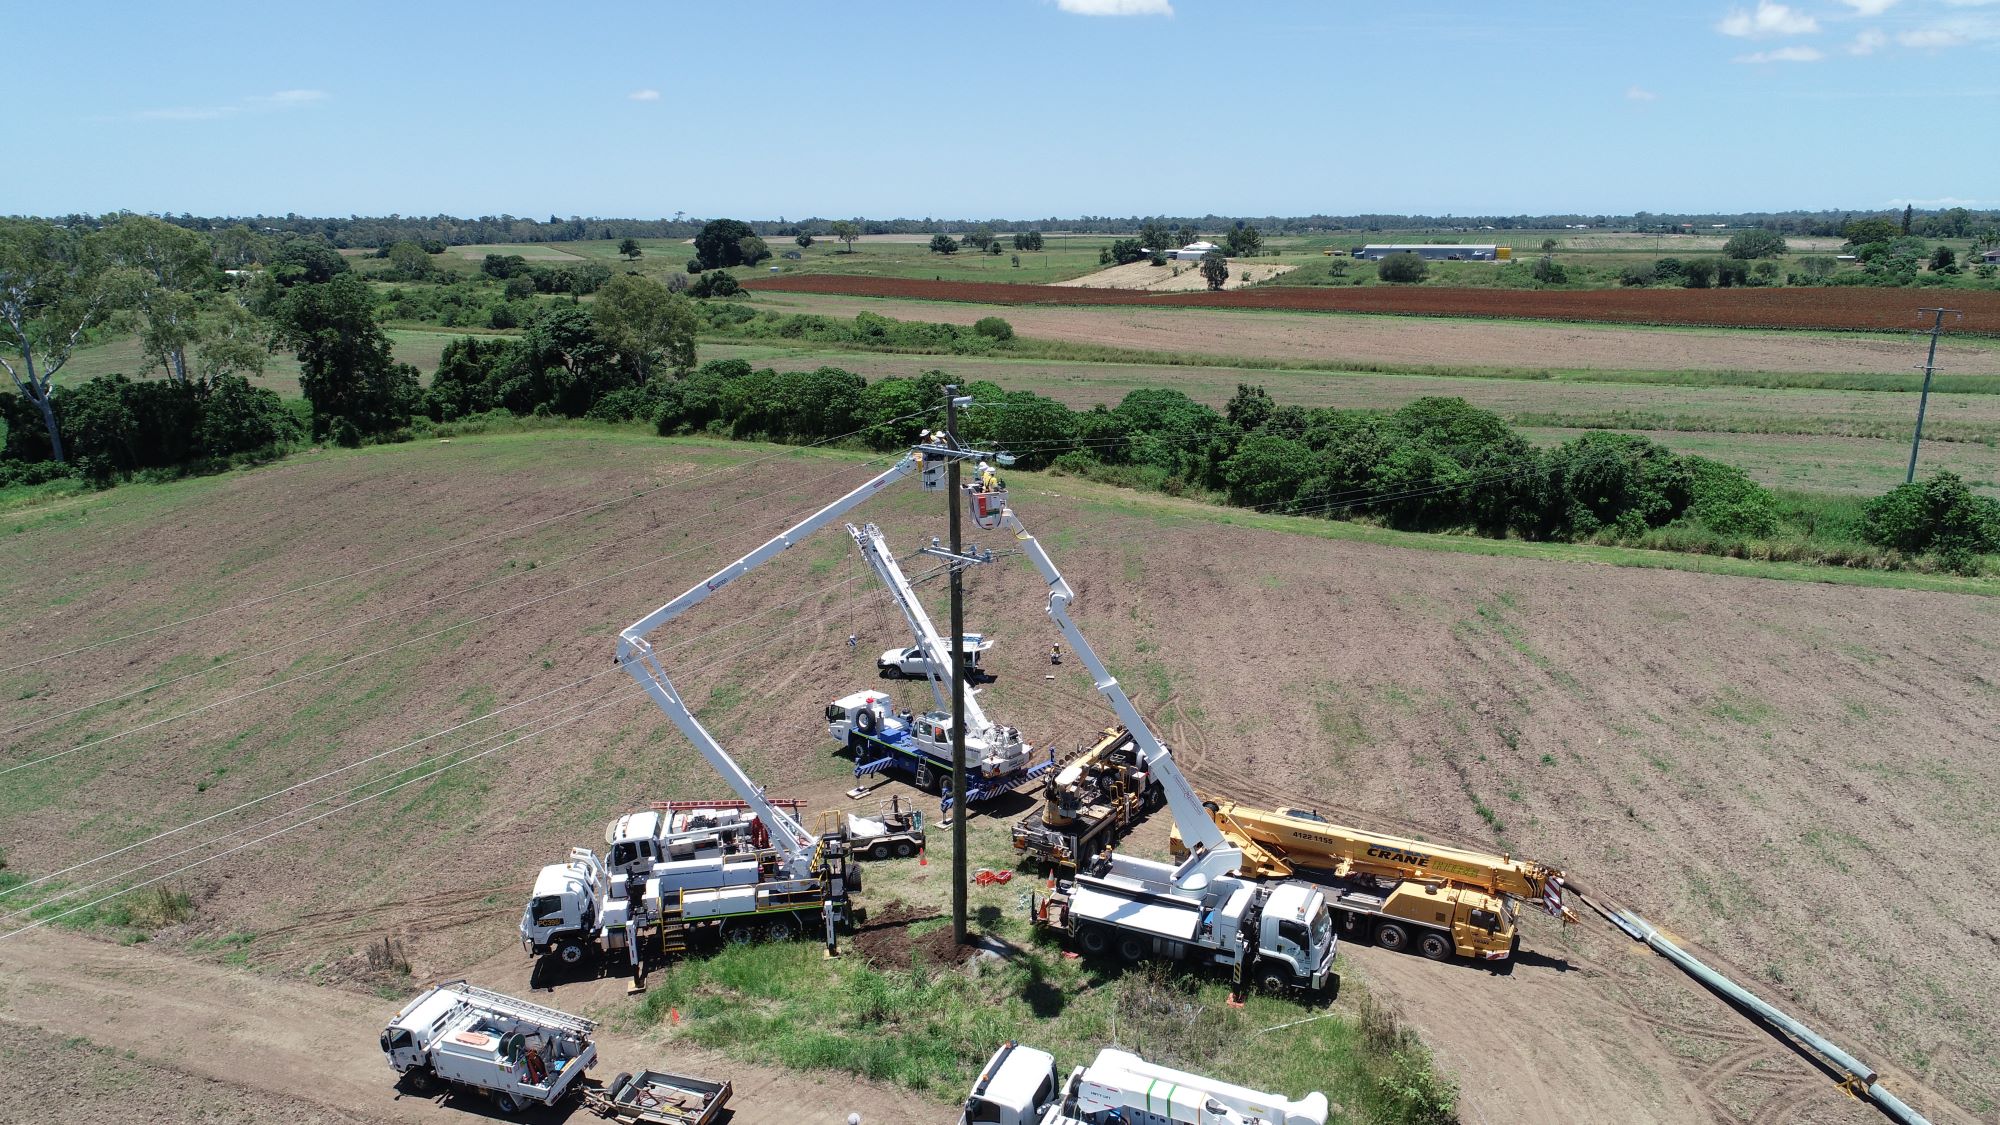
(1204, 247)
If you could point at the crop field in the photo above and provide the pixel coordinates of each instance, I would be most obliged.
(1769, 745)
(1848, 308)
(1447, 346)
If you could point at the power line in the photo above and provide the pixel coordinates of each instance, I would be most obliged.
(432, 600)
(678, 646)
(772, 638)
(458, 544)
(335, 666)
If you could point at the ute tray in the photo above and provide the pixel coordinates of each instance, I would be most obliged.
(654, 1097)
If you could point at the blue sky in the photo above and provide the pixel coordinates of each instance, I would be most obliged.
(1003, 108)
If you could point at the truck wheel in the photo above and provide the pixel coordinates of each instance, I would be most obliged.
(1392, 936)
(1275, 983)
(781, 929)
(1435, 946)
(571, 952)
(1094, 940)
(905, 849)
(1131, 948)
(421, 1080)
(892, 672)
(879, 851)
(735, 931)
(925, 780)
(507, 1103)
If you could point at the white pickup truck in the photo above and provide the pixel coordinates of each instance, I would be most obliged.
(515, 1052)
(911, 663)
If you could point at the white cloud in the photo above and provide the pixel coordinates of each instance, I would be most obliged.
(1869, 7)
(262, 103)
(1932, 38)
(1868, 42)
(1782, 54)
(1638, 94)
(1768, 19)
(1116, 7)
(644, 95)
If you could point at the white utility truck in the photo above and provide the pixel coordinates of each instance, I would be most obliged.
(517, 1053)
(918, 747)
(1020, 1087)
(1277, 935)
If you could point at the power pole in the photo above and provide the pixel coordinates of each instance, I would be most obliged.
(958, 810)
(1923, 399)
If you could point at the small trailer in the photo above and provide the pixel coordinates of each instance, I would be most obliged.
(896, 830)
(654, 1097)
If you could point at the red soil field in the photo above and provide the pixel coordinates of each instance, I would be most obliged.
(1849, 309)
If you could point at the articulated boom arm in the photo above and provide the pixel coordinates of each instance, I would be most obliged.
(876, 551)
(637, 656)
(1189, 816)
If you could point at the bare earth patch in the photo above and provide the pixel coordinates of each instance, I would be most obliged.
(1179, 277)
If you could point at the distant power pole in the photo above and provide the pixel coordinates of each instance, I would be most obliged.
(1923, 399)
(958, 809)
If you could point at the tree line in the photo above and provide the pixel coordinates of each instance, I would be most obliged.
(379, 231)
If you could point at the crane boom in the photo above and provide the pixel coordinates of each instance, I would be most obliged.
(876, 550)
(1212, 852)
(637, 656)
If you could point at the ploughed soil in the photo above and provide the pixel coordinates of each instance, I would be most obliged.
(1421, 342)
(1177, 277)
(1843, 307)
(1795, 778)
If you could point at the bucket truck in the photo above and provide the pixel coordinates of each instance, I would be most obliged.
(1279, 935)
(1020, 1086)
(1441, 901)
(918, 748)
(740, 895)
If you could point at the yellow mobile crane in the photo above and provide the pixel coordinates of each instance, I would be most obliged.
(1440, 900)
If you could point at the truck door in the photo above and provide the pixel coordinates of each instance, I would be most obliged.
(1294, 943)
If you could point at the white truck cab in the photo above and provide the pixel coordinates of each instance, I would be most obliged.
(1018, 1085)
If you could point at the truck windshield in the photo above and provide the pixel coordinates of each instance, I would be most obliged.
(547, 906)
(1322, 928)
(979, 1109)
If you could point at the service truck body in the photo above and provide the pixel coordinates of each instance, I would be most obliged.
(1019, 1087)
(514, 1051)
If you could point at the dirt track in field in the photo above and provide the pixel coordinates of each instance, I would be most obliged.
(1773, 770)
(231, 1046)
(1420, 342)
(1843, 308)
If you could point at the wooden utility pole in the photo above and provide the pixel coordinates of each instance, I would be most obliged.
(958, 809)
(1923, 399)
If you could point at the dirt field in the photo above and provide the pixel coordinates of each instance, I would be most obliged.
(138, 1035)
(1178, 277)
(1773, 770)
(1447, 343)
(1842, 308)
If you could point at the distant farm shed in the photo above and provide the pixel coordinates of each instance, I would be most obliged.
(1193, 251)
(1993, 256)
(1443, 252)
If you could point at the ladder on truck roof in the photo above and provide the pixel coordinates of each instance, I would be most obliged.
(525, 1009)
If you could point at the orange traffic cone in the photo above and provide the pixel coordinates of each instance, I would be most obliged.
(923, 859)
(674, 1014)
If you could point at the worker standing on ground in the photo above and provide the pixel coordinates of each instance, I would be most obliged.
(853, 639)
(1055, 654)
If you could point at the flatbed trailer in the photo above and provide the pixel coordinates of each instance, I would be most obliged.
(655, 1097)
